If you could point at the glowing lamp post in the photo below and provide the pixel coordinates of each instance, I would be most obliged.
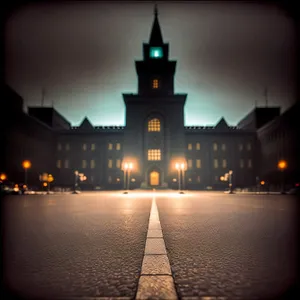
(282, 165)
(230, 182)
(177, 166)
(26, 165)
(50, 179)
(180, 167)
(128, 166)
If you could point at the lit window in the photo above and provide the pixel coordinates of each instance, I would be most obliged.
(190, 163)
(110, 163)
(197, 146)
(84, 164)
(84, 147)
(92, 164)
(59, 146)
(215, 146)
(67, 147)
(249, 147)
(109, 179)
(154, 125)
(198, 178)
(240, 147)
(216, 164)
(93, 147)
(58, 164)
(156, 52)
(223, 147)
(118, 179)
(224, 163)
(154, 154)
(190, 146)
(242, 163)
(118, 146)
(198, 163)
(110, 146)
(190, 179)
(118, 163)
(66, 164)
(155, 83)
(249, 163)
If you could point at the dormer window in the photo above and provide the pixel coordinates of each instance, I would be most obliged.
(155, 84)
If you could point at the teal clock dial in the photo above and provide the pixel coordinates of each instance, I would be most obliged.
(156, 52)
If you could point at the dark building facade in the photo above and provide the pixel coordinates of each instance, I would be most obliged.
(154, 138)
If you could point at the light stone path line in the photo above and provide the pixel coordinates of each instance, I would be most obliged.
(156, 280)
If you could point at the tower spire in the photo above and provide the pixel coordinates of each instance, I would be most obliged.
(156, 36)
(155, 10)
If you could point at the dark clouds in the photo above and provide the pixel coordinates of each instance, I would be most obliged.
(84, 55)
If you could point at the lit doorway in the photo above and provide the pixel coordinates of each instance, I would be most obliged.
(154, 178)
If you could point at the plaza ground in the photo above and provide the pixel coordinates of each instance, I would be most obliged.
(92, 244)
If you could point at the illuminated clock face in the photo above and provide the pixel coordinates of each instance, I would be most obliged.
(156, 52)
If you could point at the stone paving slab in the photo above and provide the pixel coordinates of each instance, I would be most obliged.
(154, 233)
(154, 225)
(155, 246)
(156, 287)
(156, 265)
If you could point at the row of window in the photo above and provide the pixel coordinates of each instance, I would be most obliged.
(117, 164)
(217, 164)
(216, 146)
(92, 147)
(91, 164)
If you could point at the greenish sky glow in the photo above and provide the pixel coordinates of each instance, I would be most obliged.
(84, 53)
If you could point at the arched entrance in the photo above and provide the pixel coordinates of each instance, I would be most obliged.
(154, 178)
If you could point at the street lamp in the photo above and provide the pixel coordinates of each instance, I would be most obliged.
(128, 166)
(177, 166)
(76, 173)
(230, 182)
(26, 165)
(180, 167)
(282, 165)
(49, 179)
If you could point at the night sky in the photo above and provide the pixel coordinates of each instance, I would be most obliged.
(83, 54)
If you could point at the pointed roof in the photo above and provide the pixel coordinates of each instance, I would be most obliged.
(156, 36)
(222, 124)
(86, 124)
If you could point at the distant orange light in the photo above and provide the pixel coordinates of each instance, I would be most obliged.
(26, 164)
(3, 176)
(45, 184)
(282, 164)
(262, 182)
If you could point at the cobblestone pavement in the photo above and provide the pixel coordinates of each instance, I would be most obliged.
(74, 245)
(235, 246)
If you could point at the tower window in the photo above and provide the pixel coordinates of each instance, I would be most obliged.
(154, 154)
(156, 52)
(154, 125)
(155, 83)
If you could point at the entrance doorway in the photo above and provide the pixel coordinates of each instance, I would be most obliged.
(154, 178)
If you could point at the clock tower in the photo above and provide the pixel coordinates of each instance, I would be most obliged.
(154, 137)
